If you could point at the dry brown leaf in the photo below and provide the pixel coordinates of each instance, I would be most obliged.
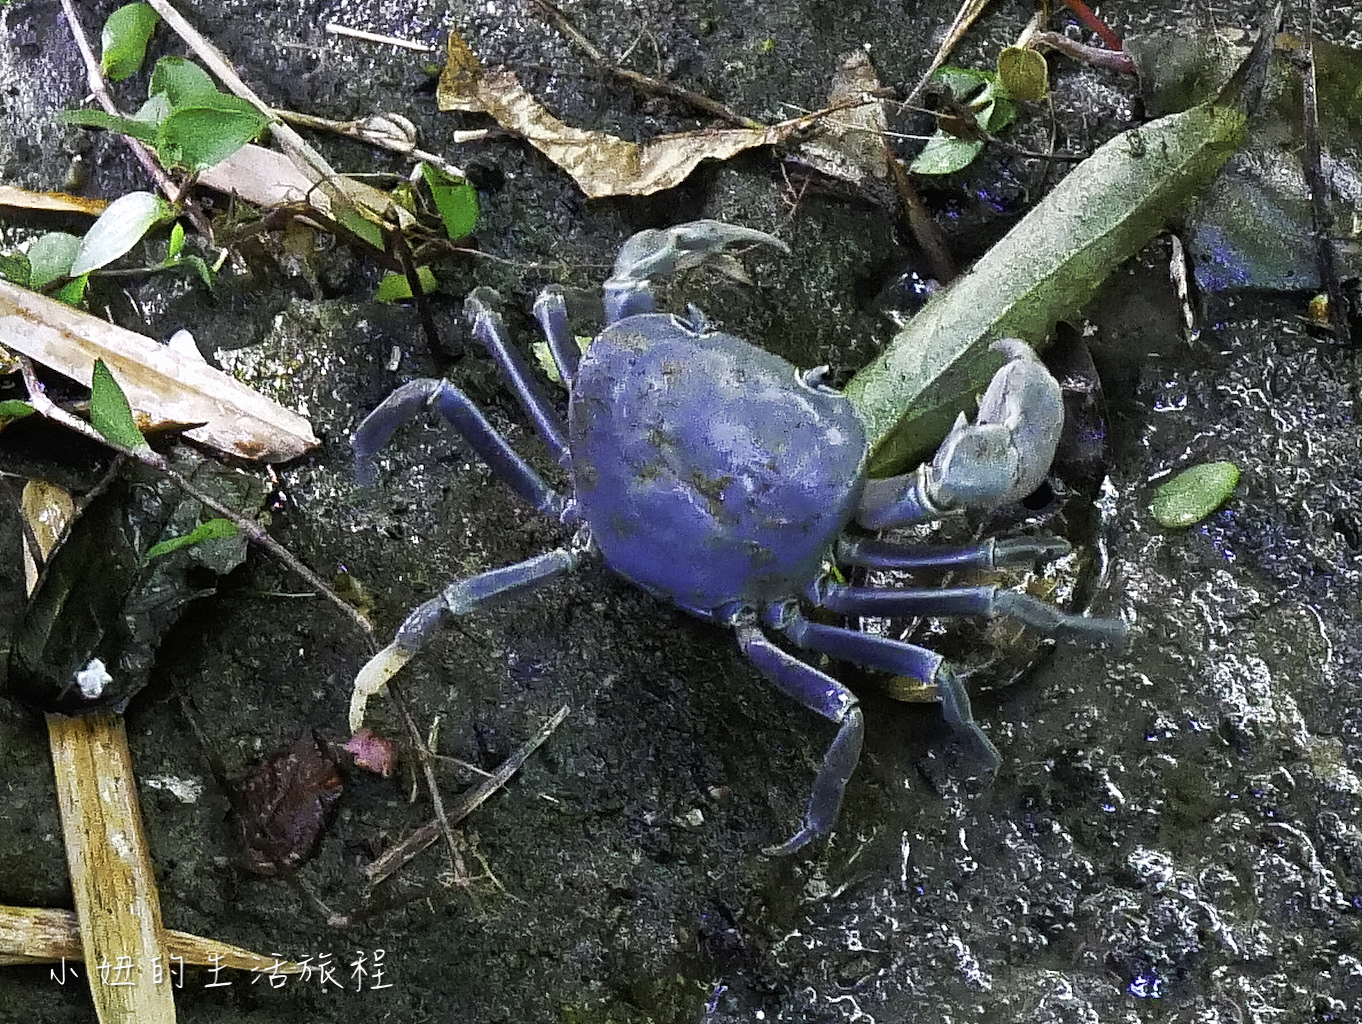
(849, 144)
(159, 382)
(265, 178)
(269, 179)
(50, 202)
(49, 510)
(603, 165)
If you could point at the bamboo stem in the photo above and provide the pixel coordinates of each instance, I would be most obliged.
(112, 880)
(42, 935)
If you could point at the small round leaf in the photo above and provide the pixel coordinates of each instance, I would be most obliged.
(50, 258)
(200, 136)
(1194, 494)
(1024, 73)
(182, 82)
(456, 200)
(124, 40)
(396, 287)
(945, 154)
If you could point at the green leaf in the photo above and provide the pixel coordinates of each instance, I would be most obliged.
(199, 137)
(153, 111)
(997, 115)
(141, 130)
(122, 225)
(50, 258)
(1050, 263)
(1194, 494)
(182, 82)
(73, 291)
(176, 241)
(1024, 73)
(213, 529)
(945, 154)
(544, 357)
(200, 267)
(352, 219)
(15, 267)
(456, 200)
(962, 83)
(125, 39)
(110, 412)
(13, 409)
(396, 287)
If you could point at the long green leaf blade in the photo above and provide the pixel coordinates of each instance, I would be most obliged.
(1045, 268)
(213, 529)
(140, 129)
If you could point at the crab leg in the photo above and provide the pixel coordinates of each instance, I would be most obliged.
(551, 312)
(992, 553)
(900, 658)
(818, 692)
(460, 597)
(489, 332)
(461, 414)
(985, 601)
(667, 251)
(1002, 457)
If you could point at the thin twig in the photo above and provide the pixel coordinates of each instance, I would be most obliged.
(644, 83)
(465, 804)
(292, 142)
(1088, 18)
(397, 245)
(95, 79)
(423, 754)
(368, 129)
(251, 529)
(1095, 56)
(964, 18)
(337, 29)
(920, 221)
(1320, 192)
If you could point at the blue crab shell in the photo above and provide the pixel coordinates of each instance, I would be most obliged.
(709, 472)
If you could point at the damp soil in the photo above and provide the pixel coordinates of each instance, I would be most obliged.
(1175, 833)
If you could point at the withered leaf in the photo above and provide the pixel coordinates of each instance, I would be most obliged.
(283, 808)
(602, 164)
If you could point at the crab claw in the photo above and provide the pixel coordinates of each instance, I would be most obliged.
(666, 251)
(1006, 453)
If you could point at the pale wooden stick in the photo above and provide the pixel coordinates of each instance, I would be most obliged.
(337, 29)
(112, 880)
(40, 935)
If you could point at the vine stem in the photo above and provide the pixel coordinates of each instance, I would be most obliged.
(95, 79)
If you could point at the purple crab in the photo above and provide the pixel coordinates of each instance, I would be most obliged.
(720, 478)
